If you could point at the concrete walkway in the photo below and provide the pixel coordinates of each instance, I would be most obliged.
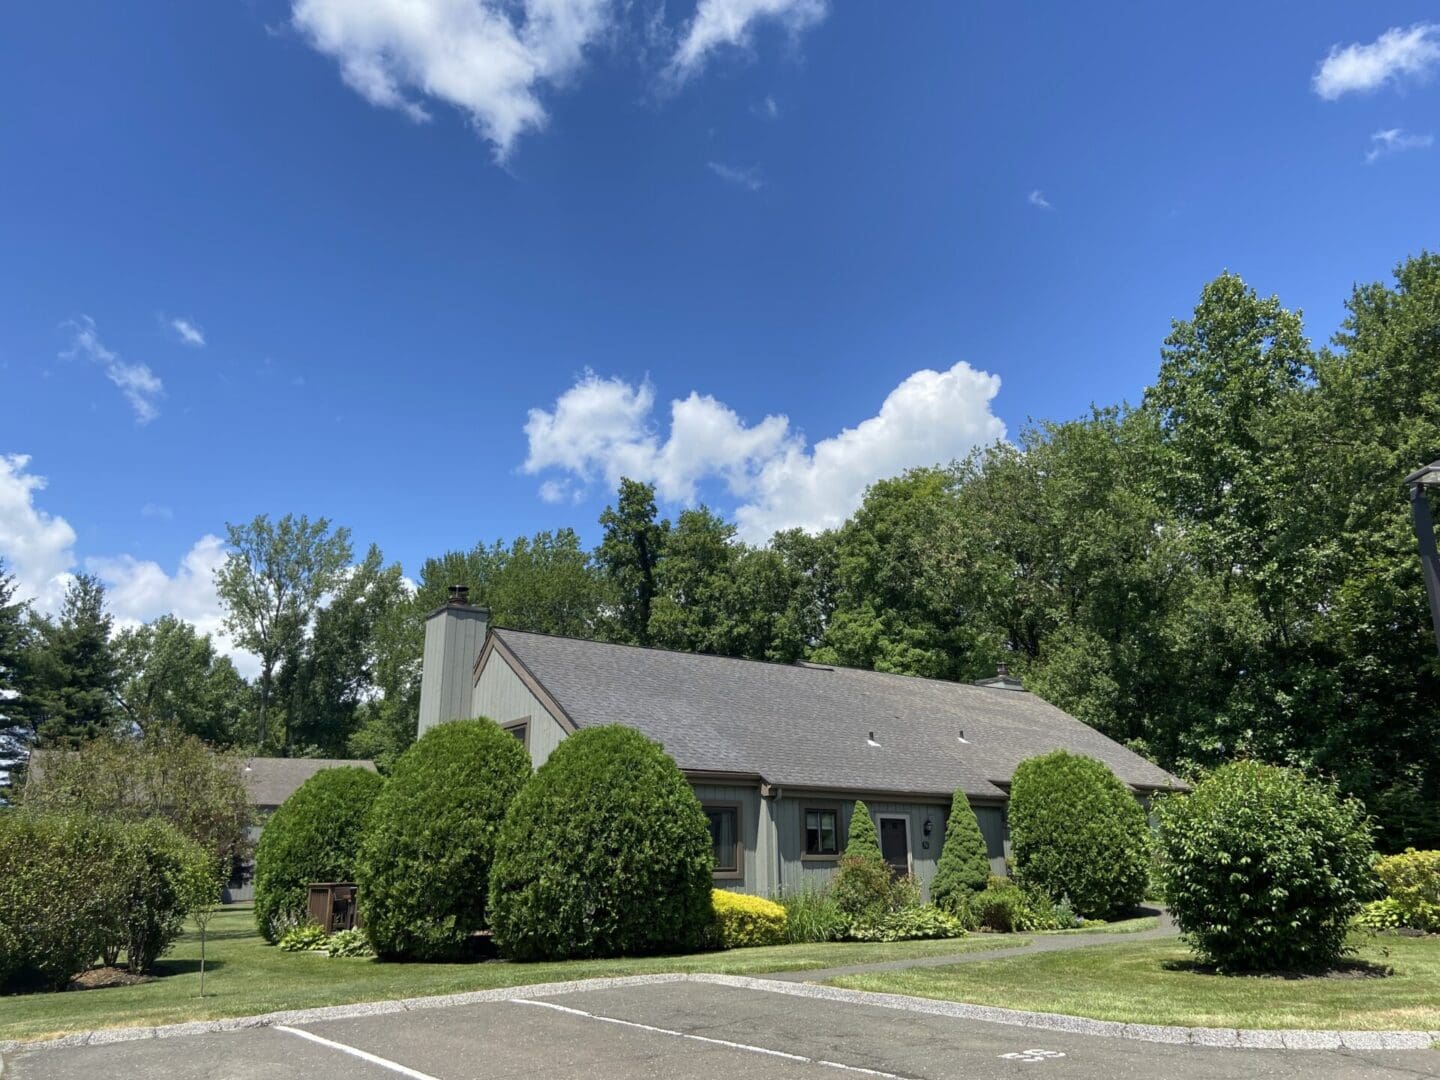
(1040, 943)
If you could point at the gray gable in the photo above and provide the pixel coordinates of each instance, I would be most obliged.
(810, 726)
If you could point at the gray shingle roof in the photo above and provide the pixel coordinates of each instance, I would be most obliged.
(808, 726)
(271, 781)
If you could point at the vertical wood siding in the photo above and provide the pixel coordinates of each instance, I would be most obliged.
(501, 695)
(750, 835)
(997, 836)
(453, 638)
(797, 873)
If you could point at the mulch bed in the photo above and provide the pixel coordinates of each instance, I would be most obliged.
(102, 977)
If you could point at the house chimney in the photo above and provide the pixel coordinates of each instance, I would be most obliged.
(454, 636)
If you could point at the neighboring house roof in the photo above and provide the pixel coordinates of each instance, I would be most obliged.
(807, 725)
(271, 781)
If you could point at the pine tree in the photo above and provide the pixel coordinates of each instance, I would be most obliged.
(864, 841)
(964, 866)
(74, 677)
(15, 731)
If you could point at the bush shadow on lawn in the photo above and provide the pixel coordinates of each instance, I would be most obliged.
(1343, 969)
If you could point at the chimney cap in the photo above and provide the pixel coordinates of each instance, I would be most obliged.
(459, 594)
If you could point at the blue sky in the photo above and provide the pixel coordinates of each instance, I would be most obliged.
(438, 271)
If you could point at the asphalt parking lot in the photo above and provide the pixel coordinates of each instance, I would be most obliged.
(680, 1031)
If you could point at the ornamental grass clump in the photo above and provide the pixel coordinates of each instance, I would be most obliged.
(606, 852)
(1263, 868)
(314, 836)
(425, 862)
(1076, 831)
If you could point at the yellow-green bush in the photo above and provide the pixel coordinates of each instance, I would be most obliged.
(1413, 882)
(742, 920)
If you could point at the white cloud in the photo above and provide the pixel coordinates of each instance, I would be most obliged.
(157, 510)
(188, 331)
(141, 386)
(1395, 141)
(719, 23)
(1037, 198)
(1395, 55)
(748, 177)
(488, 58)
(39, 549)
(768, 108)
(601, 429)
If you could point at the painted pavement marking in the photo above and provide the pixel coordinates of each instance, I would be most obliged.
(363, 1055)
(1033, 1055)
(714, 1042)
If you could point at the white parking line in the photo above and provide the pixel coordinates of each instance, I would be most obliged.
(384, 1063)
(714, 1042)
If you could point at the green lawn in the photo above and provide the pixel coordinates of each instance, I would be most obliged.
(245, 977)
(1149, 982)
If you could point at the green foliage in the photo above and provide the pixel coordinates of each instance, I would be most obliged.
(742, 921)
(425, 862)
(1413, 881)
(1004, 908)
(909, 923)
(964, 864)
(314, 836)
(863, 842)
(1264, 868)
(1380, 916)
(1076, 831)
(171, 676)
(166, 775)
(52, 918)
(272, 584)
(812, 915)
(307, 937)
(863, 887)
(606, 852)
(349, 944)
(147, 887)
(628, 556)
(71, 670)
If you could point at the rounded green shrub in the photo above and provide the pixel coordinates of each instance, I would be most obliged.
(964, 864)
(425, 861)
(1264, 868)
(144, 890)
(53, 920)
(314, 836)
(1412, 880)
(606, 852)
(742, 921)
(1076, 831)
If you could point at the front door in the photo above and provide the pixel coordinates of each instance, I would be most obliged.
(895, 844)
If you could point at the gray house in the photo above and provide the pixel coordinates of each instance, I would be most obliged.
(777, 753)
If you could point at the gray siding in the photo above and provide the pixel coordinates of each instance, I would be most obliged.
(797, 872)
(453, 639)
(994, 828)
(754, 861)
(503, 696)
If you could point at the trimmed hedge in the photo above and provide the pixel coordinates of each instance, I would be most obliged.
(425, 862)
(52, 920)
(964, 864)
(742, 920)
(606, 852)
(1076, 831)
(1263, 868)
(314, 836)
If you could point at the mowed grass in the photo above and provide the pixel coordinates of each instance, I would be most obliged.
(1155, 982)
(245, 977)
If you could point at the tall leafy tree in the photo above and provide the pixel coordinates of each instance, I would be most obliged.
(272, 583)
(628, 556)
(73, 676)
(170, 675)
